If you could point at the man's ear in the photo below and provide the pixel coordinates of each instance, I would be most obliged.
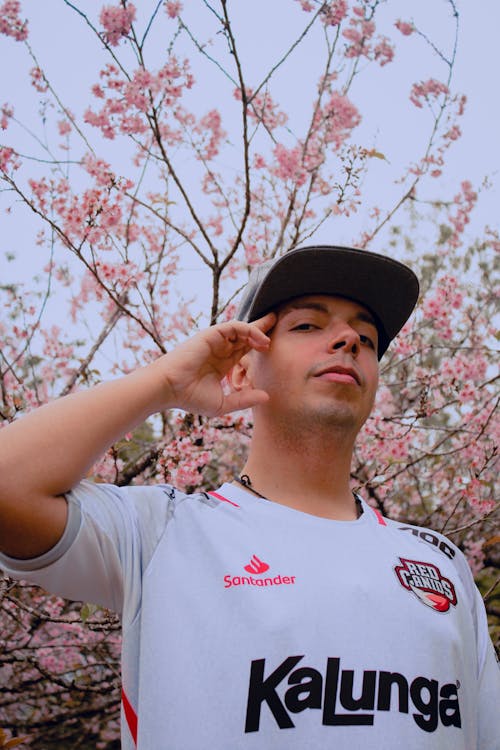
(238, 376)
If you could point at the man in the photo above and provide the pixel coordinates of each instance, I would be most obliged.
(279, 611)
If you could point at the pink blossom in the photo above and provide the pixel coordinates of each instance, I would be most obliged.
(306, 5)
(359, 33)
(54, 347)
(474, 553)
(173, 8)
(132, 124)
(10, 23)
(64, 127)
(453, 133)
(383, 51)
(40, 190)
(353, 35)
(466, 393)
(38, 80)
(333, 13)
(263, 109)
(252, 255)
(6, 113)
(427, 90)
(100, 120)
(367, 28)
(117, 22)
(210, 128)
(474, 493)
(463, 204)
(336, 120)
(404, 27)
(259, 162)
(98, 91)
(8, 159)
(289, 164)
(215, 224)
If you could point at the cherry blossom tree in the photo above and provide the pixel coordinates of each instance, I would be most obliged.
(182, 164)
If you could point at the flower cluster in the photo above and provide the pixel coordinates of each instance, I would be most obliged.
(6, 114)
(289, 164)
(53, 658)
(64, 127)
(9, 160)
(128, 101)
(117, 22)
(336, 119)
(334, 12)
(173, 8)
(428, 91)
(360, 35)
(99, 170)
(463, 203)
(262, 109)
(210, 129)
(404, 27)
(10, 23)
(439, 307)
(38, 80)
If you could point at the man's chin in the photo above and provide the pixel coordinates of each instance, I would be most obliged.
(328, 416)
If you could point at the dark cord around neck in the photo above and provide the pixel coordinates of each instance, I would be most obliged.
(246, 482)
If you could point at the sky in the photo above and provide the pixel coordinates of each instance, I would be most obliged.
(264, 28)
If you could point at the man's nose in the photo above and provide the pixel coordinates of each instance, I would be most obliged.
(346, 338)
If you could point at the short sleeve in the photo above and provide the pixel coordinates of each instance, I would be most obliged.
(110, 537)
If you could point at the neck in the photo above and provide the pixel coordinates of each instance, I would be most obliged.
(309, 471)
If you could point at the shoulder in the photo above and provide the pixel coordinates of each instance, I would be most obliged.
(91, 496)
(147, 505)
(426, 541)
(427, 537)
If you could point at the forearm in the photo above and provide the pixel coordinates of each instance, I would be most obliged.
(46, 453)
(49, 450)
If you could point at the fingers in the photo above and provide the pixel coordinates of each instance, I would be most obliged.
(259, 329)
(250, 335)
(265, 323)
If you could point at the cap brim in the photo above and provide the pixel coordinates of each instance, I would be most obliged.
(384, 286)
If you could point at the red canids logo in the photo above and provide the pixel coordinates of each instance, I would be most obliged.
(256, 566)
(427, 583)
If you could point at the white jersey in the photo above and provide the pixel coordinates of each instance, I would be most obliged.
(250, 625)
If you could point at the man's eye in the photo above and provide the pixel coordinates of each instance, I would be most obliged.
(367, 340)
(304, 327)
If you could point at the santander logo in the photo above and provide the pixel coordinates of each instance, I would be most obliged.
(257, 567)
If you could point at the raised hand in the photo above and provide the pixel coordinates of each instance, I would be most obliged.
(194, 372)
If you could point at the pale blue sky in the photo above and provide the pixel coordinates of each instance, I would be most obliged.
(392, 126)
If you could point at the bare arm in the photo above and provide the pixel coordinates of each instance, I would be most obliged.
(46, 453)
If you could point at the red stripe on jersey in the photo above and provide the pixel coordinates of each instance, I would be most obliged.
(224, 499)
(380, 517)
(130, 716)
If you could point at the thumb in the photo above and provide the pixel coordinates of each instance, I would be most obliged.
(243, 399)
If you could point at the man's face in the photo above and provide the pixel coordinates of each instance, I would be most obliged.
(322, 363)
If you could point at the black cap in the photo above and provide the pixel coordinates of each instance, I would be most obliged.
(386, 287)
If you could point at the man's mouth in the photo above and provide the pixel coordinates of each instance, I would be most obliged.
(339, 374)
